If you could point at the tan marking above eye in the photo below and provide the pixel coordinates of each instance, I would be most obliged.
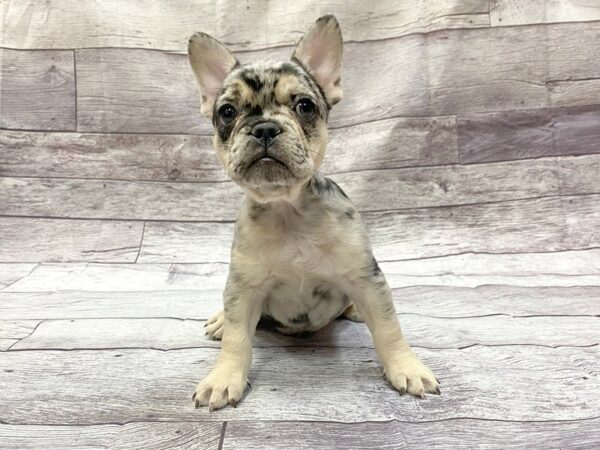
(287, 86)
(245, 92)
(242, 96)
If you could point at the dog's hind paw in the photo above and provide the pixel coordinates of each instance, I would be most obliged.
(351, 313)
(214, 326)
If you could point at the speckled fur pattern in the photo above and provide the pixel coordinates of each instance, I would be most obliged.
(301, 255)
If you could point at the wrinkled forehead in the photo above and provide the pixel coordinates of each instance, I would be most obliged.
(267, 82)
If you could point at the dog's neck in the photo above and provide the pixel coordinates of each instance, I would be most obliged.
(284, 194)
(295, 198)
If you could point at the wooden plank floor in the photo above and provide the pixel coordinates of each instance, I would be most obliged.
(111, 366)
(468, 139)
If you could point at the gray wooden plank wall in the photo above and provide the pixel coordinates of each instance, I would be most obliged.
(469, 139)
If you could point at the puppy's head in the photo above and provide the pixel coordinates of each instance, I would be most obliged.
(270, 117)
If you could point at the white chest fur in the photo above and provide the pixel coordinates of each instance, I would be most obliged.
(301, 260)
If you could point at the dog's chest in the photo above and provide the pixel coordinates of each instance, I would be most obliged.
(307, 246)
(302, 264)
(302, 279)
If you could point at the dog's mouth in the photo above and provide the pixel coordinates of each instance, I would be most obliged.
(266, 159)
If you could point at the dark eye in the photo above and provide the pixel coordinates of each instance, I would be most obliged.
(227, 114)
(305, 108)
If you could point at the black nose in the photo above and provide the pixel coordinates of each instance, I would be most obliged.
(266, 132)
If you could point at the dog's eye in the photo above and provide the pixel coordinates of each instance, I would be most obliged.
(227, 114)
(305, 108)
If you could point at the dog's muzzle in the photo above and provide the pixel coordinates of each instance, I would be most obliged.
(265, 133)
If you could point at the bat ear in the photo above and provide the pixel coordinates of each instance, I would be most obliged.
(320, 52)
(211, 63)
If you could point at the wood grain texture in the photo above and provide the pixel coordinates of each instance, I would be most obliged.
(169, 242)
(507, 227)
(398, 142)
(392, 143)
(151, 157)
(58, 240)
(444, 73)
(574, 92)
(544, 224)
(578, 175)
(328, 384)
(394, 435)
(568, 59)
(156, 25)
(6, 343)
(185, 304)
(10, 273)
(37, 89)
(12, 331)
(525, 226)
(120, 90)
(137, 200)
(448, 185)
(535, 133)
(129, 436)
(116, 277)
(567, 268)
(418, 187)
(432, 301)
(521, 12)
(394, 188)
(421, 331)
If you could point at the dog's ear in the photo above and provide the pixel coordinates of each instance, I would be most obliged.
(211, 63)
(320, 51)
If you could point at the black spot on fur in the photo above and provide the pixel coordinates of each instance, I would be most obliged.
(269, 323)
(324, 185)
(224, 131)
(373, 274)
(388, 308)
(375, 270)
(252, 80)
(234, 94)
(286, 68)
(323, 294)
(349, 213)
(318, 184)
(337, 188)
(300, 319)
(257, 210)
(255, 111)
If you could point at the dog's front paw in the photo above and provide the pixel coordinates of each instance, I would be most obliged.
(214, 326)
(408, 374)
(220, 388)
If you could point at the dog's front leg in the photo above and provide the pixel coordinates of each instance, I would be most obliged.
(226, 383)
(402, 367)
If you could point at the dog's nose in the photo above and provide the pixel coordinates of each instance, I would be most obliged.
(266, 132)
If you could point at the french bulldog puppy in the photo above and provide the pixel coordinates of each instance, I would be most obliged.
(301, 255)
